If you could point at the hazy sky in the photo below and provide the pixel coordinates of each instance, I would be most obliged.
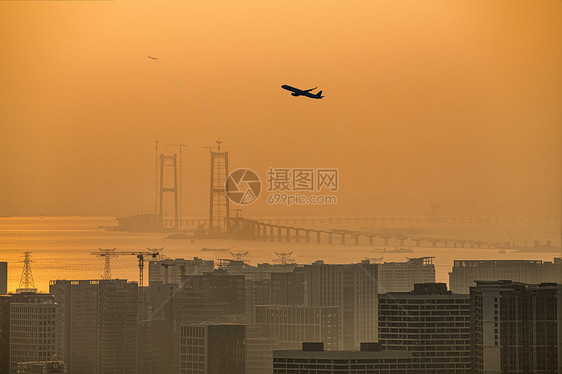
(472, 121)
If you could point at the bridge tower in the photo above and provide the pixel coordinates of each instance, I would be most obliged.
(26, 280)
(219, 205)
(169, 162)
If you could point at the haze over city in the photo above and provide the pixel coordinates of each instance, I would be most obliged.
(291, 187)
(472, 121)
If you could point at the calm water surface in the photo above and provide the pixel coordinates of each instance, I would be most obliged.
(61, 248)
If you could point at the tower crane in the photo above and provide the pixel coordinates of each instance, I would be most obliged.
(114, 253)
(109, 253)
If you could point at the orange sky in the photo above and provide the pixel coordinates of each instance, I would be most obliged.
(473, 121)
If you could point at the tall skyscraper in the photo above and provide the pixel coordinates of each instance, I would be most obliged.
(351, 287)
(97, 325)
(516, 328)
(212, 348)
(32, 328)
(431, 323)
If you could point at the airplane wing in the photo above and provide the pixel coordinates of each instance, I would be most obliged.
(311, 89)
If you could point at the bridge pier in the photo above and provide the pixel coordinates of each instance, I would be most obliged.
(386, 238)
(297, 235)
(318, 237)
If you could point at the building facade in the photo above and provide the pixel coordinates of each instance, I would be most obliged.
(97, 325)
(516, 328)
(431, 323)
(290, 325)
(212, 349)
(351, 287)
(32, 328)
(3, 278)
(170, 271)
(466, 272)
(313, 359)
(401, 276)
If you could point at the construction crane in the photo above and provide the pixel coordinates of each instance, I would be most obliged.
(109, 253)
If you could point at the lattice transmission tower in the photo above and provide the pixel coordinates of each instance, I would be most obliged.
(284, 258)
(26, 280)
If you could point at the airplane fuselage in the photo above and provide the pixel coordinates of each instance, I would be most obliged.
(299, 92)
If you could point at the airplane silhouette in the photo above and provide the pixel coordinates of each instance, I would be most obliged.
(152, 58)
(307, 93)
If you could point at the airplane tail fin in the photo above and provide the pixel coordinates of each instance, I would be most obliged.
(319, 94)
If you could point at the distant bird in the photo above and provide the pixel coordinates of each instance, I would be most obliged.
(152, 58)
(299, 92)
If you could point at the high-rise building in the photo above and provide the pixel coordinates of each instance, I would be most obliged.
(353, 288)
(32, 328)
(97, 325)
(258, 292)
(313, 359)
(259, 351)
(287, 327)
(170, 271)
(401, 276)
(290, 325)
(516, 328)
(212, 297)
(431, 323)
(466, 272)
(212, 348)
(287, 288)
(3, 278)
(5, 301)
